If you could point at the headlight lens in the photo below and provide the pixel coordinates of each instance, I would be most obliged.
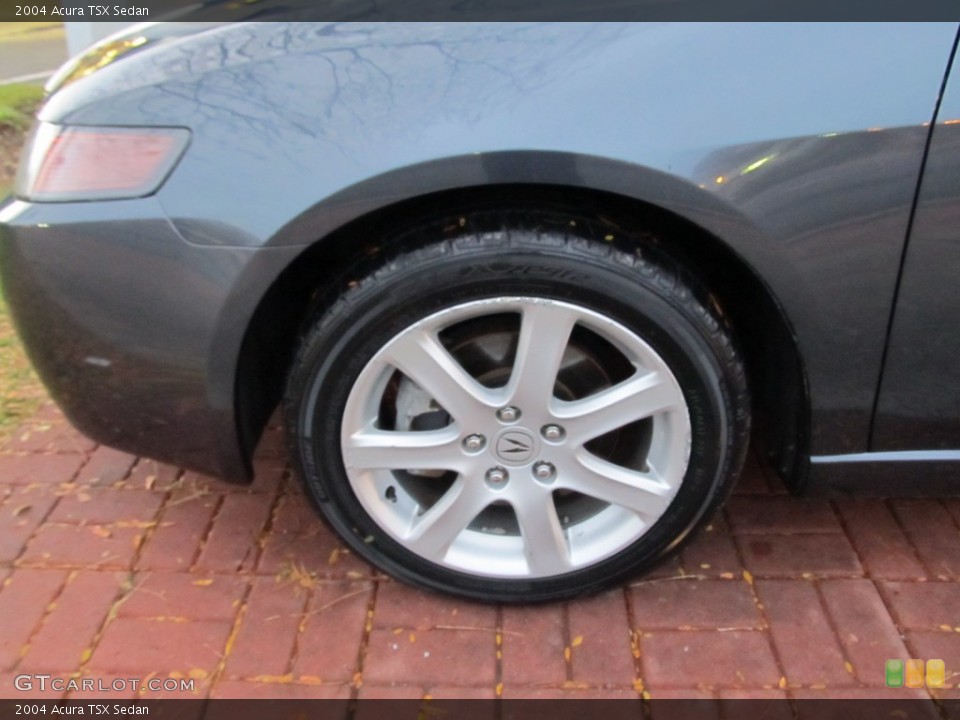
(63, 164)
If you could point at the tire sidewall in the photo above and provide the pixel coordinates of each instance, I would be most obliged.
(341, 344)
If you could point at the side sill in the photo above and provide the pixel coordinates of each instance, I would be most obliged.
(909, 473)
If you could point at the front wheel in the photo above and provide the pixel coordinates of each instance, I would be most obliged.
(517, 416)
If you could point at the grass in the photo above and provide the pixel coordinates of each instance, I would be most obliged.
(16, 31)
(20, 390)
(17, 103)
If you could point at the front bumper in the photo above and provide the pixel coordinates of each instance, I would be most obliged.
(135, 331)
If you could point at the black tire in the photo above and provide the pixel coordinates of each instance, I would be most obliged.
(645, 292)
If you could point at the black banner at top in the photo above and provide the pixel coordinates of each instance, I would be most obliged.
(477, 10)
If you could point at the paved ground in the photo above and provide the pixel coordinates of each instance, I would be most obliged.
(31, 51)
(117, 567)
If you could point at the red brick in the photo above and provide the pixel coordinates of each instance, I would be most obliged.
(798, 555)
(385, 692)
(533, 645)
(232, 543)
(741, 658)
(867, 632)
(712, 552)
(802, 634)
(953, 507)
(183, 595)
(881, 544)
(192, 482)
(920, 606)
(90, 546)
(329, 645)
(558, 712)
(400, 605)
(269, 475)
(695, 604)
(268, 631)
(151, 475)
(23, 602)
(137, 645)
(106, 467)
(298, 538)
(49, 436)
(450, 657)
(104, 505)
(780, 515)
(176, 539)
(273, 444)
(890, 707)
(243, 690)
(600, 640)
(20, 515)
(447, 692)
(70, 627)
(934, 535)
(753, 479)
(669, 567)
(28, 469)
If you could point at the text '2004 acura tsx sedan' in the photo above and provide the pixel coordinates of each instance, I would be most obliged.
(524, 291)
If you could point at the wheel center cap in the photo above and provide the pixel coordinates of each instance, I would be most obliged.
(515, 446)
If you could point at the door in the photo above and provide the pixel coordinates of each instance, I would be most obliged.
(918, 406)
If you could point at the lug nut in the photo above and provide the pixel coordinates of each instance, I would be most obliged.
(552, 432)
(474, 442)
(544, 471)
(497, 476)
(508, 414)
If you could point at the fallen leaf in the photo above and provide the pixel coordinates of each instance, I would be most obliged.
(204, 582)
(577, 641)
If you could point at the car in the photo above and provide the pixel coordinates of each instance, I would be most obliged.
(525, 291)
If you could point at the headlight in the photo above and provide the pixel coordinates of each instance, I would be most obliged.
(62, 164)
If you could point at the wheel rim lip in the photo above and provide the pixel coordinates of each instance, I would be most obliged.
(496, 556)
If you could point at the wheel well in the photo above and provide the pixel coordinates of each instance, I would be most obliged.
(329, 266)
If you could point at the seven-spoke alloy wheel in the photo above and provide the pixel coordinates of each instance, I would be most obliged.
(526, 419)
(547, 506)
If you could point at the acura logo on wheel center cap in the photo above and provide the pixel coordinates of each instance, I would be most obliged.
(516, 446)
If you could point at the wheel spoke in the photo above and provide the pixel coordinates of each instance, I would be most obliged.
(637, 398)
(544, 542)
(434, 532)
(390, 450)
(645, 493)
(544, 334)
(421, 357)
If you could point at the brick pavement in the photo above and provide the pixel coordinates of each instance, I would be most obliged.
(113, 566)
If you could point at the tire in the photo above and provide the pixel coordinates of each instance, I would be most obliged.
(518, 415)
